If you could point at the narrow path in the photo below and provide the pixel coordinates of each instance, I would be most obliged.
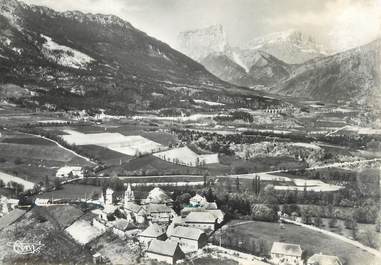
(337, 130)
(337, 236)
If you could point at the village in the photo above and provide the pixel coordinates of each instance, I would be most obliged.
(158, 232)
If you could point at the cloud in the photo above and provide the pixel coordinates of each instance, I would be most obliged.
(355, 24)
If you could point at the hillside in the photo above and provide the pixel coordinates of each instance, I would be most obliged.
(353, 75)
(222, 66)
(256, 68)
(76, 60)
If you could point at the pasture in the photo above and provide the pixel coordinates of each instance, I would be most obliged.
(185, 156)
(151, 165)
(33, 158)
(72, 192)
(310, 241)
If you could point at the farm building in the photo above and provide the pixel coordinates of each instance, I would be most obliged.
(284, 253)
(11, 217)
(218, 214)
(165, 251)
(42, 202)
(159, 213)
(215, 212)
(65, 172)
(123, 228)
(136, 211)
(189, 238)
(320, 259)
(154, 231)
(202, 220)
(7, 205)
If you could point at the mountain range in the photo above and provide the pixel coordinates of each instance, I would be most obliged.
(294, 64)
(264, 61)
(76, 60)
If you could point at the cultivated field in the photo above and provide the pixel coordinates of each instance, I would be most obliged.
(186, 156)
(129, 145)
(6, 178)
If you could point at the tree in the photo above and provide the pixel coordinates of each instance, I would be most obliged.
(261, 212)
(378, 224)
(318, 221)
(332, 222)
(237, 184)
(57, 183)
(306, 215)
(18, 161)
(269, 197)
(46, 182)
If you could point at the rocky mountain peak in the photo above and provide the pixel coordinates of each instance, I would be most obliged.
(199, 43)
(291, 46)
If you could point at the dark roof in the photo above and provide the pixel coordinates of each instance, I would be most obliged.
(165, 248)
(11, 217)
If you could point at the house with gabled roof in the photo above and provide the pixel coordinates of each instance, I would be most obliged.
(198, 201)
(123, 228)
(201, 220)
(154, 231)
(159, 213)
(137, 211)
(190, 238)
(285, 253)
(165, 251)
(320, 259)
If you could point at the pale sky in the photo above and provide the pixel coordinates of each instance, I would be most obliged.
(340, 24)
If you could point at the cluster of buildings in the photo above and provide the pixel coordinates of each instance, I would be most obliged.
(292, 254)
(162, 233)
(70, 171)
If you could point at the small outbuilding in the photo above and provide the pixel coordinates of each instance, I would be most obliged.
(285, 253)
(165, 251)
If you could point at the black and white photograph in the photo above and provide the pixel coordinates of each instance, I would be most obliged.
(190, 132)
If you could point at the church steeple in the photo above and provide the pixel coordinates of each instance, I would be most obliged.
(129, 194)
